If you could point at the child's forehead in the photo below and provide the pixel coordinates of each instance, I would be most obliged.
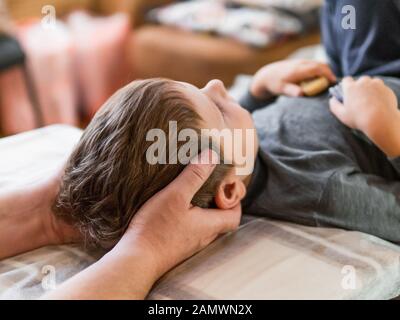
(189, 88)
(203, 106)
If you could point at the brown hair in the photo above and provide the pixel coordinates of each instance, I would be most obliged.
(107, 178)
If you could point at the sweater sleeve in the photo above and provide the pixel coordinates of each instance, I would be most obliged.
(251, 103)
(395, 163)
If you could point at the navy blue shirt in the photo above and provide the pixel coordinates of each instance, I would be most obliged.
(373, 48)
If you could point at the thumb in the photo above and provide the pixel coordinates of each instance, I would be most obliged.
(338, 110)
(292, 90)
(195, 174)
(220, 221)
(229, 220)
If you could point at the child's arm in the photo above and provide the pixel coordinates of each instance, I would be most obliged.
(284, 77)
(371, 107)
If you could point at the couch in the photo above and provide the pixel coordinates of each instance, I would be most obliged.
(160, 51)
(156, 51)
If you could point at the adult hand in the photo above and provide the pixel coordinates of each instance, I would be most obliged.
(164, 232)
(170, 228)
(283, 77)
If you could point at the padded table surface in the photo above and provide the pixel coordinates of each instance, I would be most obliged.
(264, 259)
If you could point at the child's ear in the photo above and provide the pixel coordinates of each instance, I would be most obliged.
(230, 192)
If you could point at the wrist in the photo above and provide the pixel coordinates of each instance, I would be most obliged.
(259, 86)
(385, 134)
(255, 91)
(261, 93)
(133, 248)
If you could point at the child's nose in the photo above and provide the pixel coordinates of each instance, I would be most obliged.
(217, 86)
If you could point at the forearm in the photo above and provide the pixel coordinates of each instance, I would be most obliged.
(252, 103)
(386, 137)
(21, 229)
(126, 272)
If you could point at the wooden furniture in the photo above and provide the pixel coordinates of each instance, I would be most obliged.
(160, 51)
(21, 9)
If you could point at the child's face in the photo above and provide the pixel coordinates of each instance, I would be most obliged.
(219, 111)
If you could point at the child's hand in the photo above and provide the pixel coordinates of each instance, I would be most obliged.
(371, 107)
(283, 77)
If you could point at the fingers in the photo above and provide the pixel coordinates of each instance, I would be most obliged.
(378, 81)
(229, 220)
(221, 221)
(324, 70)
(292, 90)
(347, 81)
(194, 175)
(312, 69)
(338, 109)
(362, 81)
(365, 80)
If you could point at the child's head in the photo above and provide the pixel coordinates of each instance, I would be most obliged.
(109, 175)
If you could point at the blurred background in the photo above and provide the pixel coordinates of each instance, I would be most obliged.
(61, 59)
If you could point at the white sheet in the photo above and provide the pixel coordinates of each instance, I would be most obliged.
(275, 260)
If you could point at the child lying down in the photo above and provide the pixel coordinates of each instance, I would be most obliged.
(309, 166)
